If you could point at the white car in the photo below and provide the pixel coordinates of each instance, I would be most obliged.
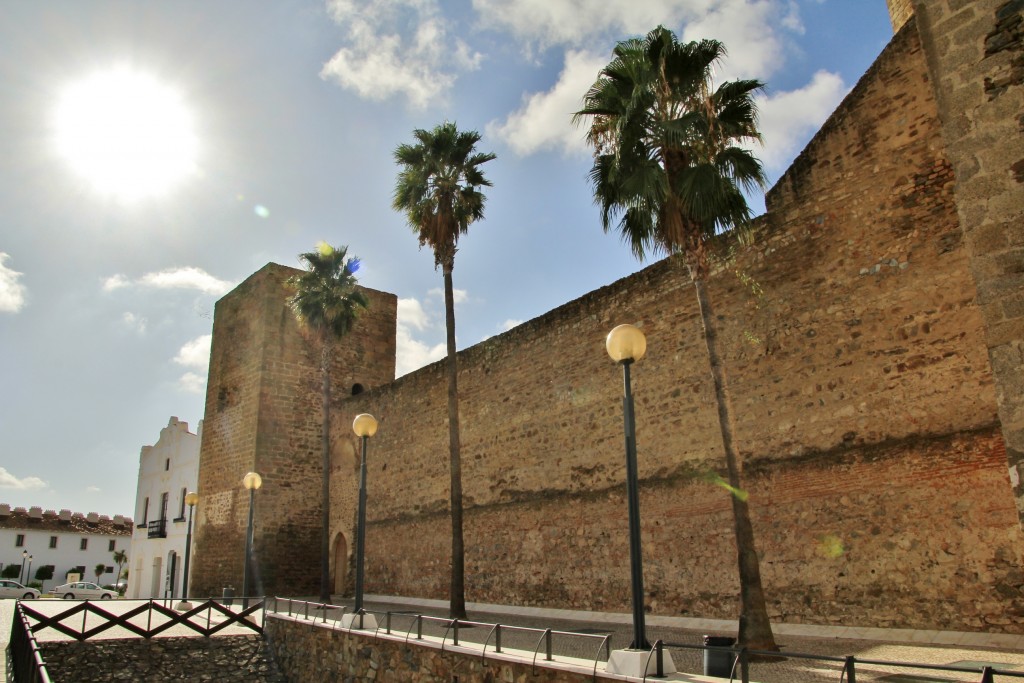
(82, 589)
(13, 589)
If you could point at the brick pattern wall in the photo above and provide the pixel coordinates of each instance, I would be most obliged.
(900, 12)
(977, 51)
(865, 400)
(263, 413)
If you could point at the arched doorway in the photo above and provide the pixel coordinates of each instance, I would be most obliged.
(170, 587)
(340, 557)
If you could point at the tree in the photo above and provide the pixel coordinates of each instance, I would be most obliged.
(328, 302)
(669, 173)
(436, 189)
(11, 571)
(45, 572)
(98, 570)
(120, 559)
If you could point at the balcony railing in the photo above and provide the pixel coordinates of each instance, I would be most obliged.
(158, 528)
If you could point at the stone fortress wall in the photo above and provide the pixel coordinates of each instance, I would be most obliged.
(871, 422)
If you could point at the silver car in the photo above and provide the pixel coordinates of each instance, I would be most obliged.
(82, 589)
(13, 589)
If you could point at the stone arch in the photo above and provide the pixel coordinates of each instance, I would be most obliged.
(339, 558)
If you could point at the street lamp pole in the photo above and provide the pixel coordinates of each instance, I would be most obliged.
(250, 481)
(21, 575)
(364, 426)
(626, 344)
(28, 574)
(191, 498)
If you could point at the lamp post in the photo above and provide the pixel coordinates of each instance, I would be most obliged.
(28, 574)
(626, 344)
(364, 426)
(250, 481)
(21, 575)
(191, 498)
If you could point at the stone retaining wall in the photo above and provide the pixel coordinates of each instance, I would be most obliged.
(225, 658)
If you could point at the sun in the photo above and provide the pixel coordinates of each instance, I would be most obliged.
(126, 133)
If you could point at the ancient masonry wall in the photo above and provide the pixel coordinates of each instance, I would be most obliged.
(263, 413)
(866, 414)
(977, 51)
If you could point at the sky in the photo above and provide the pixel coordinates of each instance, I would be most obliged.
(155, 154)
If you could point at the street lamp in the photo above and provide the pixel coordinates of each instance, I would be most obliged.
(24, 556)
(364, 426)
(28, 574)
(626, 344)
(250, 481)
(191, 498)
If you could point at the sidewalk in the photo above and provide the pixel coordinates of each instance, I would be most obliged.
(932, 647)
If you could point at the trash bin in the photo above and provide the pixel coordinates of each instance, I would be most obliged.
(718, 662)
(229, 594)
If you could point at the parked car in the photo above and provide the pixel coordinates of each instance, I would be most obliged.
(82, 589)
(13, 589)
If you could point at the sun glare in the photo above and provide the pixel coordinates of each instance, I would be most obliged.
(127, 134)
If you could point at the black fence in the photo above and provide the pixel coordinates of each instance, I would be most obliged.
(711, 658)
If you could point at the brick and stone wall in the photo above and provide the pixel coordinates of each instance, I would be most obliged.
(263, 413)
(866, 414)
(976, 50)
(225, 658)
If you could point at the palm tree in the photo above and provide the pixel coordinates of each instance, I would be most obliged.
(669, 173)
(436, 188)
(120, 559)
(98, 570)
(327, 301)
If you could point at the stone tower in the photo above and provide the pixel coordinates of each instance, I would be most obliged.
(263, 414)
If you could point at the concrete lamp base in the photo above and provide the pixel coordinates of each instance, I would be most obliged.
(183, 606)
(352, 620)
(632, 662)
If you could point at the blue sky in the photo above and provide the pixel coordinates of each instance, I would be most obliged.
(107, 282)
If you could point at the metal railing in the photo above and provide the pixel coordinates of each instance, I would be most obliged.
(24, 660)
(552, 646)
(157, 528)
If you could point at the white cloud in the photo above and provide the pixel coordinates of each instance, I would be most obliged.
(9, 481)
(192, 383)
(510, 323)
(188, 277)
(195, 353)
(93, 489)
(397, 48)
(135, 322)
(749, 28)
(411, 314)
(544, 120)
(12, 292)
(412, 354)
(787, 118)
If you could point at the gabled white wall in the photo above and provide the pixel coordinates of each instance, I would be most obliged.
(66, 555)
(169, 466)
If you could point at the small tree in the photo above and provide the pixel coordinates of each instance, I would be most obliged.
(11, 571)
(100, 568)
(120, 559)
(45, 572)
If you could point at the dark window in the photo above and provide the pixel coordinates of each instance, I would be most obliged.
(53, 541)
(164, 497)
(145, 511)
(167, 465)
(357, 389)
(181, 512)
(108, 570)
(83, 544)
(111, 545)
(19, 541)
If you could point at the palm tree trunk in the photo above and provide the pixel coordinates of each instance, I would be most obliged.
(755, 631)
(457, 605)
(325, 484)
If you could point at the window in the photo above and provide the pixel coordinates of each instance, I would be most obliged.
(53, 541)
(145, 512)
(164, 498)
(108, 570)
(83, 544)
(111, 545)
(181, 512)
(167, 465)
(19, 541)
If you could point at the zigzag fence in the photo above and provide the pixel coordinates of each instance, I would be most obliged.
(85, 620)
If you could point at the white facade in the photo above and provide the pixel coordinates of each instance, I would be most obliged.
(167, 471)
(65, 540)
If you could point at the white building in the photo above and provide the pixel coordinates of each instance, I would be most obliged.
(167, 471)
(66, 541)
